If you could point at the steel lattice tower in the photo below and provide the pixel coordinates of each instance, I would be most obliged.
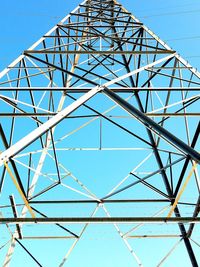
(99, 146)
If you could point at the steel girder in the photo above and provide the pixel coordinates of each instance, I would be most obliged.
(60, 132)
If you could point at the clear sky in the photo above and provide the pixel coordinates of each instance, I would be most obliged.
(24, 22)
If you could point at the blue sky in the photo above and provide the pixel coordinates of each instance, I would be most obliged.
(24, 22)
(176, 22)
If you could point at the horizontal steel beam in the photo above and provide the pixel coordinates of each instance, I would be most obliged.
(109, 26)
(86, 89)
(155, 127)
(82, 220)
(81, 201)
(50, 114)
(106, 52)
(118, 19)
(100, 35)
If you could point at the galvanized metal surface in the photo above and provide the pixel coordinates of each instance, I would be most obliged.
(57, 90)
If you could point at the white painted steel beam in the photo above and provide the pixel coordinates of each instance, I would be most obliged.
(25, 141)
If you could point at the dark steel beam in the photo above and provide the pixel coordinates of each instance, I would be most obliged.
(3, 137)
(106, 52)
(57, 224)
(132, 25)
(195, 214)
(180, 180)
(160, 164)
(83, 220)
(113, 122)
(161, 170)
(83, 201)
(127, 39)
(173, 77)
(188, 103)
(155, 189)
(63, 70)
(152, 125)
(28, 252)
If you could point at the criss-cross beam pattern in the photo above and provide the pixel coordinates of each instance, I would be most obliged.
(99, 126)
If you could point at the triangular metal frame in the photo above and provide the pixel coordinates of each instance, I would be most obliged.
(100, 54)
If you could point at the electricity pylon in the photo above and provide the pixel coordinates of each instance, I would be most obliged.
(99, 147)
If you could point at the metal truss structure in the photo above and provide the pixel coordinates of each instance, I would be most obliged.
(99, 141)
